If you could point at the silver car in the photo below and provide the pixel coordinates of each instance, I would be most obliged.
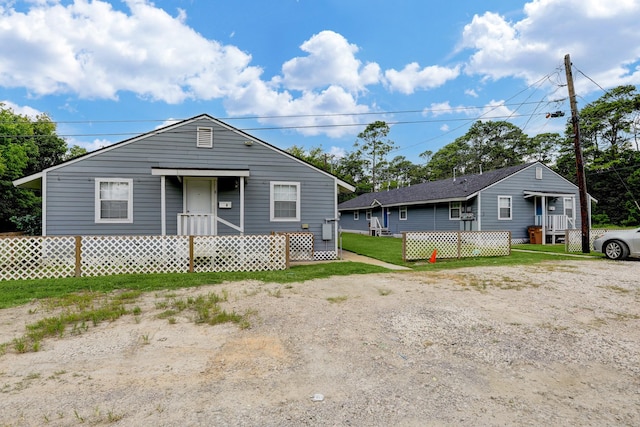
(619, 244)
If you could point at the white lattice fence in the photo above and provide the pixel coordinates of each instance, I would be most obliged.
(484, 243)
(104, 255)
(300, 245)
(37, 257)
(573, 238)
(240, 253)
(420, 245)
(455, 244)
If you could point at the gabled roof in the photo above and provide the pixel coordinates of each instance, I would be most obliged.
(34, 180)
(462, 188)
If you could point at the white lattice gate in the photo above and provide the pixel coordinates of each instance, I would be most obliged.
(239, 253)
(455, 244)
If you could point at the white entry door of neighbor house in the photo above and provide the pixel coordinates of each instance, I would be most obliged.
(200, 205)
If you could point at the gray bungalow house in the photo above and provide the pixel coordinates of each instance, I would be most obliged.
(512, 199)
(196, 177)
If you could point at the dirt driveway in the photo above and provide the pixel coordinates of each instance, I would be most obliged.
(552, 344)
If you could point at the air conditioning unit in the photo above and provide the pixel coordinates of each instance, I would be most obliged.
(466, 216)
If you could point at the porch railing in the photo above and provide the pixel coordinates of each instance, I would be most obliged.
(556, 222)
(376, 229)
(196, 224)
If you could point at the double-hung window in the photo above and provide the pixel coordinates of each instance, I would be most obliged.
(285, 201)
(114, 200)
(504, 207)
(356, 215)
(402, 213)
(454, 210)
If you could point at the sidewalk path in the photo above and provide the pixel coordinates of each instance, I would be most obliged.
(350, 256)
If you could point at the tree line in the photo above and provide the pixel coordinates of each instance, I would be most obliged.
(609, 127)
(609, 136)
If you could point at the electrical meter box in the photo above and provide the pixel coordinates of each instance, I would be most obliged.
(327, 231)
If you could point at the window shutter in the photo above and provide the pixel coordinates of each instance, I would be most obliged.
(205, 138)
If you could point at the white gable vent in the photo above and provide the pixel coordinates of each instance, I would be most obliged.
(205, 138)
(538, 172)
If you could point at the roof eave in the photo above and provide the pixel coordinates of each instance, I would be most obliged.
(32, 181)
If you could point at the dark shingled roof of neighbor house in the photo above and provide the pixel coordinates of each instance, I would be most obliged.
(446, 189)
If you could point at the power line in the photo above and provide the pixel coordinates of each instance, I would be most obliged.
(314, 126)
(287, 116)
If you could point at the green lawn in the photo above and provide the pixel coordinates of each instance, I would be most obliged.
(389, 249)
(17, 292)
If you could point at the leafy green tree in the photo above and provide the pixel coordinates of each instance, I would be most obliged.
(75, 151)
(401, 172)
(608, 136)
(545, 147)
(26, 146)
(372, 146)
(316, 156)
(486, 146)
(351, 168)
(608, 123)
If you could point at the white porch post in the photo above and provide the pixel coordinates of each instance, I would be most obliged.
(163, 205)
(480, 211)
(241, 179)
(543, 220)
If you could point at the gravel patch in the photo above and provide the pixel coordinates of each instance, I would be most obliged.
(552, 344)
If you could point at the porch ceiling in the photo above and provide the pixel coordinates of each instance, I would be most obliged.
(528, 194)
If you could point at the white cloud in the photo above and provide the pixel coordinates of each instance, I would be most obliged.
(471, 92)
(441, 108)
(337, 152)
(167, 122)
(534, 46)
(331, 61)
(411, 77)
(90, 49)
(23, 110)
(321, 109)
(94, 145)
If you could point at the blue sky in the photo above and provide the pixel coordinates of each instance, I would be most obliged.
(311, 73)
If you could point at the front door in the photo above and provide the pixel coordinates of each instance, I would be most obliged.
(200, 205)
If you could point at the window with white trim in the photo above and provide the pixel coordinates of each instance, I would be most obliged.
(568, 206)
(454, 210)
(504, 207)
(204, 138)
(114, 200)
(285, 201)
(368, 215)
(402, 213)
(356, 215)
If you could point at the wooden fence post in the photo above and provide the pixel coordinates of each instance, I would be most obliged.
(78, 272)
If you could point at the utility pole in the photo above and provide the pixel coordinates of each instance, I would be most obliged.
(582, 183)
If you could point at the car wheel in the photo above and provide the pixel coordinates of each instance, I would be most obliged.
(616, 250)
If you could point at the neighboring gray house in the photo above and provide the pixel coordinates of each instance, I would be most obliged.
(511, 198)
(199, 176)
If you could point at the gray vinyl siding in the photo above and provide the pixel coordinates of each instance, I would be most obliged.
(523, 210)
(427, 217)
(71, 187)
